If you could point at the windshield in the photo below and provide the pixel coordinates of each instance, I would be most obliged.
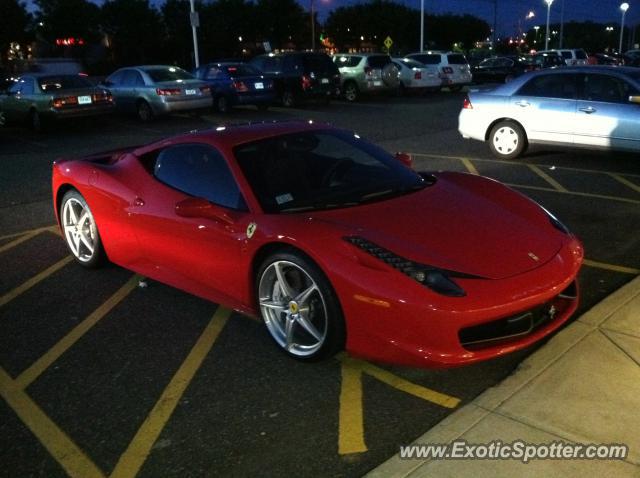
(167, 74)
(63, 82)
(321, 170)
(241, 69)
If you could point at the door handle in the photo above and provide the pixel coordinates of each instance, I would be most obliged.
(138, 201)
(523, 104)
(588, 110)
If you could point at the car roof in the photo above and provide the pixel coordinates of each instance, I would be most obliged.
(230, 136)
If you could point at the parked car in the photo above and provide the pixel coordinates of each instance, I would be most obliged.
(415, 76)
(452, 67)
(300, 76)
(587, 106)
(366, 73)
(37, 98)
(547, 60)
(604, 59)
(571, 56)
(323, 235)
(154, 90)
(502, 69)
(234, 83)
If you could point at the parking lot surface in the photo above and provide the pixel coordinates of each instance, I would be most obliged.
(104, 373)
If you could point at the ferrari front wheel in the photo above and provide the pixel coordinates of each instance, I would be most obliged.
(80, 230)
(299, 307)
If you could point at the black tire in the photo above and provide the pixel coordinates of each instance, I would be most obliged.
(351, 92)
(324, 311)
(222, 104)
(81, 253)
(144, 111)
(288, 99)
(507, 140)
(35, 121)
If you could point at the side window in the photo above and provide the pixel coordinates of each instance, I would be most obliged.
(291, 64)
(606, 88)
(550, 86)
(200, 171)
(213, 73)
(116, 78)
(130, 78)
(17, 86)
(139, 79)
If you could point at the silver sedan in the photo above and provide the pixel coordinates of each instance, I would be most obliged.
(155, 90)
(595, 107)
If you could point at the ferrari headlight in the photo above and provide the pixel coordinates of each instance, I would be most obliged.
(438, 280)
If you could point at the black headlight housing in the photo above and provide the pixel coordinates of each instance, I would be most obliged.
(436, 279)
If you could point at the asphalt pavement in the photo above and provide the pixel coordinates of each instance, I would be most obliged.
(105, 373)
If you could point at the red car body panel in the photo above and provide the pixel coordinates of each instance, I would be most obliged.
(462, 223)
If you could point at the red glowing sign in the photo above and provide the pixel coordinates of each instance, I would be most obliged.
(71, 41)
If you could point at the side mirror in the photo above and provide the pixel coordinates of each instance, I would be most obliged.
(634, 99)
(201, 208)
(405, 158)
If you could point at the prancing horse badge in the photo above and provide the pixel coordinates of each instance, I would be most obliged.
(251, 229)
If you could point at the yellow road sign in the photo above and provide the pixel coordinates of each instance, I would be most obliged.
(388, 42)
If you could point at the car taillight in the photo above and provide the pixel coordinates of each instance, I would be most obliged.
(417, 75)
(64, 101)
(240, 86)
(466, 104)
(306, 82)
(368, 70)
(205, 90)
(168, 91)
(447, 69)
(102, 96)
(82, 74)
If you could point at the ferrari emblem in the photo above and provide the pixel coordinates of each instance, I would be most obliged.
(552, 312)
(251, 229)
(293, 308)
(534, 257)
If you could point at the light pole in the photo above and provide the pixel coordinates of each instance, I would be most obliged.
(536, 28)
(195, 23)
(421, 26)
(624, 7)
(313, 29)
(546, 32)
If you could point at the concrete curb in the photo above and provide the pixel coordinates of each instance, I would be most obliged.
(461, 421)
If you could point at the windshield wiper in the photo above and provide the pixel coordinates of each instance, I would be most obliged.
(391, 192)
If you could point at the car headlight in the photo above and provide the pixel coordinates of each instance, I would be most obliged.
(436, 279)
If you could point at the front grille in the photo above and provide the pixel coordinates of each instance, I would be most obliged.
(515, 326)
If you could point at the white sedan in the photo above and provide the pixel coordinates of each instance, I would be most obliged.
(596, 107)
(415, 76)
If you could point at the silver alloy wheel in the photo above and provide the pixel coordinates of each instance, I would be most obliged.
(505, 140)
(79, 229)
(350, 92)
(293, 308)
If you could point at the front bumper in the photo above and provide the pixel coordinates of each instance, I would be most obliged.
(405, 323)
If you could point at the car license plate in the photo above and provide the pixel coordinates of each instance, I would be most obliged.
(377, 83)
(190, 92)
(259, 86)
(324, 81)
(84, 100)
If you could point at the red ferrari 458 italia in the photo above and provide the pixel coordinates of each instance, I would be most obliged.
(334, 242)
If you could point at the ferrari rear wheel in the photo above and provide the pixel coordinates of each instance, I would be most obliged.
(80, 230)
(299, 307)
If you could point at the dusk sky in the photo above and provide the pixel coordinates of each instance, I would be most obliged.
(509, 11)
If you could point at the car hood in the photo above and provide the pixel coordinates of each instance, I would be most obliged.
(464, 224)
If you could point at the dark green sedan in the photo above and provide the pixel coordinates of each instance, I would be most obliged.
(35, 98)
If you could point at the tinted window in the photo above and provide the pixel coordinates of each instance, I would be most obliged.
(457, 59)
(427, 59)
(581, 55)
(550, 86)
(319, 64)
(63, 82)
(504, 62)
(18, 86)
(241, 69)
(292, 64)
(200, 171)
(268, 64)
(378, 61)
(566, 55)
(349, 61)
(606, 88)
(214, 73)
(167, 74)
(321, 169)
(131, 78)
(410, 63)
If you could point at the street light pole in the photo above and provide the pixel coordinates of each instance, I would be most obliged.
(313, 29)
(421, 26)
(624, 7)
(195, 23)
(546, 33)
(561, 23)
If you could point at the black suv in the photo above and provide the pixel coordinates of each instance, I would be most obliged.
(299, 76)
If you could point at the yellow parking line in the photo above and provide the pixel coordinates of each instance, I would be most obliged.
(74, 461)
(29, 231)
(469, 165)
(575, 193)
(9, 296)
(29, 375)
(19, 240)
(611, 267)
(555, 184)
(625, 181)
(351, 421)
(138, 450)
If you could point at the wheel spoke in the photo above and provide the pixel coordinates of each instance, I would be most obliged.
(87, 243)
(309, 327)
(284, 285)
(83, 218)
(73, 219)
(277, 306)
(305, 294)
(76, 243)
(288, 332)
